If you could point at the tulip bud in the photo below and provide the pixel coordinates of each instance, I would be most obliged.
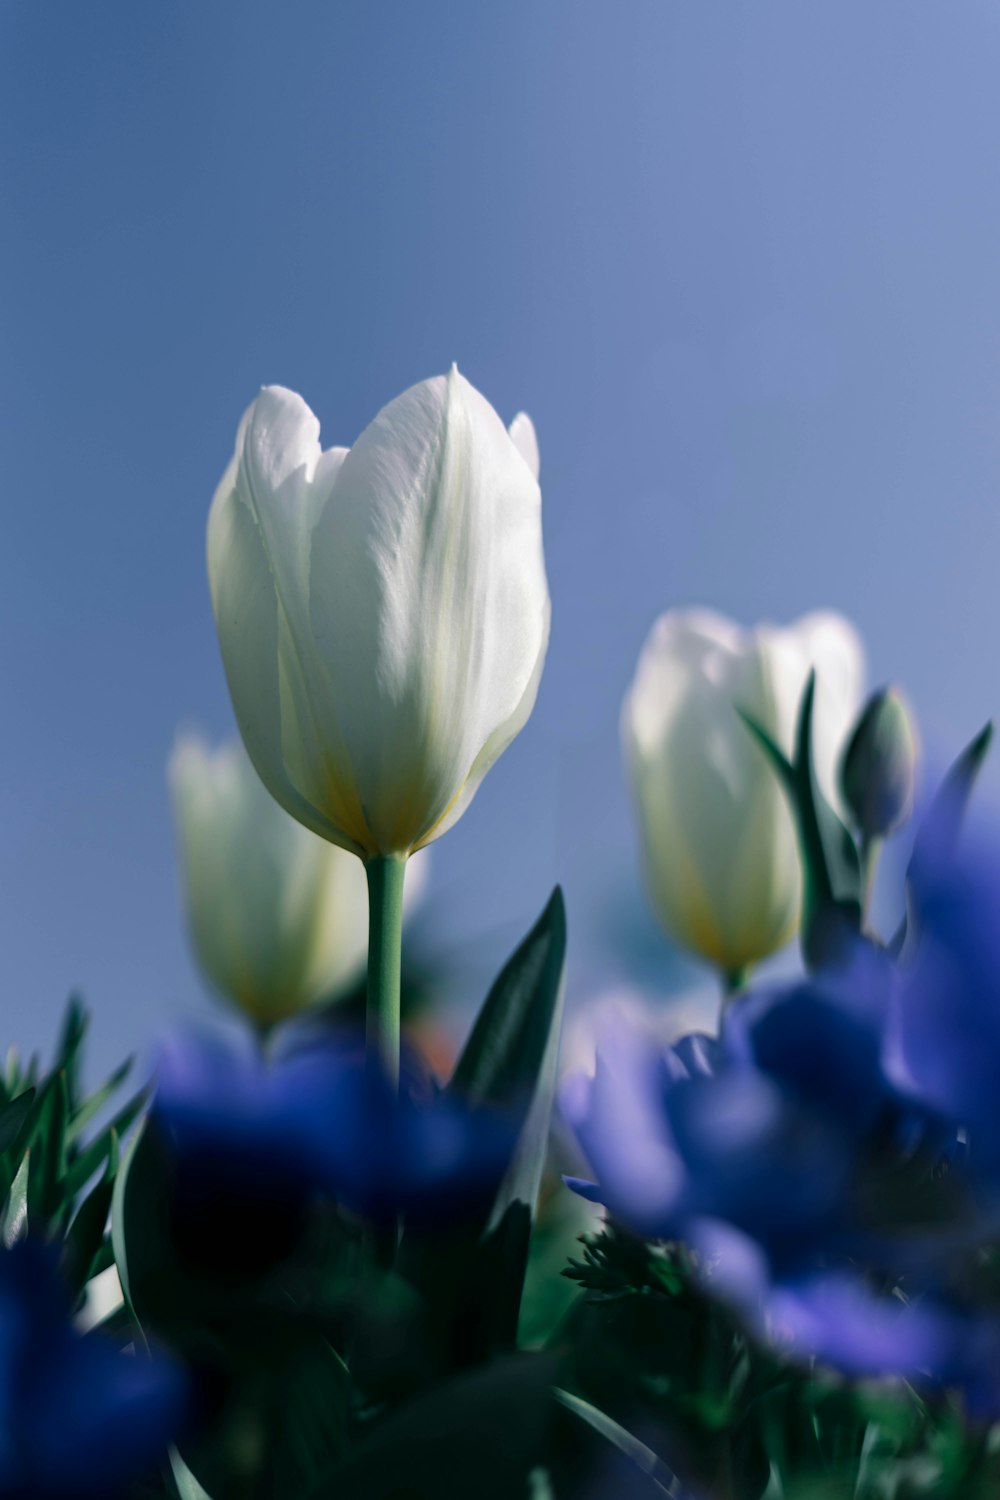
(278, 918)
(719, 843)
(878, 770)
(383, 612)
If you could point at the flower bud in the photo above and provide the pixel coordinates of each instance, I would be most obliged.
(278, 918)
(878, 771)
(718, 840)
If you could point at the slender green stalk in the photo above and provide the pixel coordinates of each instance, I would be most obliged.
(733, 982)
(385, 944)
(869, 853)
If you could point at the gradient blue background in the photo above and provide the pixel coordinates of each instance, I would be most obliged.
(740, 262)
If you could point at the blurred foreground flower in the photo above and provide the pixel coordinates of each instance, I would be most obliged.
(718, 839)
(278, 917)
(321, 1120)
(383, 612)
(76, 1417)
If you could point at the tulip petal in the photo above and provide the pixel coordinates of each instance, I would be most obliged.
(525, 440)
(278, 917)
(429, 602)
(258, 549)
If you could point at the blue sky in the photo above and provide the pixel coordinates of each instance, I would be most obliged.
(741, 263)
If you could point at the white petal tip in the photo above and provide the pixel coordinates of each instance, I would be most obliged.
(525, 440)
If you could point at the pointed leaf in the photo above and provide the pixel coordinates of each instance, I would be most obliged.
(74, 1029)
(12, 1119)
(939, 830)
(940, 827)
(779, 760)
(831, 868)
(93, 1157)
(501, 1060)
(85, 1235)
(644, 1459)
(14, 1225)
(186, 1485)
(48, 1152)
(96, 1101)
(472, 1277)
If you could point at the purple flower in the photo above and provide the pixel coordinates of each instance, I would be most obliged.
(817, 1150)
(943, 1044)
(821, 1039)
(672, 1143)
(320, 1120)
(77, 1418)
(835, 1319)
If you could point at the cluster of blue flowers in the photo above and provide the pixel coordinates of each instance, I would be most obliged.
(833, 1158)
(250, 1143)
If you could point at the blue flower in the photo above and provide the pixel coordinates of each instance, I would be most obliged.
(817, 1150)
(321, 1120)
(943, 1046)
(821, 1039)
(674, 1142)
(77, 1418)
(835, 1318)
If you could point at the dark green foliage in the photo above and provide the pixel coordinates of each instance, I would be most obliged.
(832, 875)
(645, 1347)
(509, 1064)
(329, 1370)
(46, 1162)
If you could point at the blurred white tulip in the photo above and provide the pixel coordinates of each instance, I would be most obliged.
(278, 918)
(383, 611)
(718, 840)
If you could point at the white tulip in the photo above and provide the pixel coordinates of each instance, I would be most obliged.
(718, 839)
(383, 611)
(278, 917)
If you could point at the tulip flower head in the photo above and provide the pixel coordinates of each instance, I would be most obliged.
(278, 917)
(382, 611)
(718, 839)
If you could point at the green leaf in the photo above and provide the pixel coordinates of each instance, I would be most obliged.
(479, 1435)
(96, 1101)
(14, 1224)
(507, 1044)
(939, 830)
(104, 1258)
(942, 824)
(85, 1236)
(94, 1156)
(511, 1057)
(139, 1229)
(17, 1125)
(48, 1152)
(831, 867)
(185, 1483)
(644, 1459)
(831, 844)
(74, 1029)
(475, 1281)
(12, 1119)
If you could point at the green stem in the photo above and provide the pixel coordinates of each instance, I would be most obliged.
(732, 982)
(870, 850)
(385, 943)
